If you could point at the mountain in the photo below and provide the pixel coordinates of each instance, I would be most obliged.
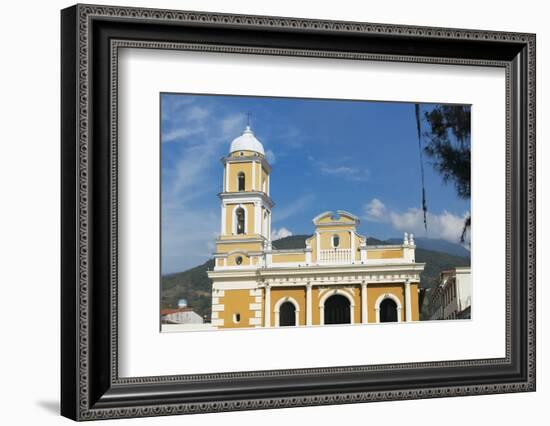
(195, 286)
(291, 242)
(436, 245)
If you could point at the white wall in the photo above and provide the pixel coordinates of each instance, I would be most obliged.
(29, 214)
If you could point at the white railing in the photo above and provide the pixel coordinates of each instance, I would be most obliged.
(335, 256)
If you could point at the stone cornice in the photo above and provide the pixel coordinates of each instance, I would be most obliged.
(238, 196)
(247, 159)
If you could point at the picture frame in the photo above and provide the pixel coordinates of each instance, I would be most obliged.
(90, 384)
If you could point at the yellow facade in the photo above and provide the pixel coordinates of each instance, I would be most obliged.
(385, 254)
(240, 301)
(335, 276)
(289, 257)
(236, 303)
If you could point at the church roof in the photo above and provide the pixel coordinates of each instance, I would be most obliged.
(247, 142)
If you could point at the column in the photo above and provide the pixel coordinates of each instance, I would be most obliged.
(267, 307)
(269, 226)
(257, 218)
(253, 176)
(309, 307)
(318, 238)
(223, 227)
(408, 309)
(352, 241)
(364, 304)
(227, 177)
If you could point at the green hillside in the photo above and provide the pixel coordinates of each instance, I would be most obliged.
(195, 286)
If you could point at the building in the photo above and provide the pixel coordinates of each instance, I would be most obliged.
(180, 315)
(452, 298)
(336, 278)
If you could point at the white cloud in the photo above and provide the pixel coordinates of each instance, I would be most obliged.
(277, 234)
(445, 225)
(197, 113)
(181, 134)
(188, 229)
(270, 155)
(339, 168)
(233, 125)
(375, 210)
(188, 236)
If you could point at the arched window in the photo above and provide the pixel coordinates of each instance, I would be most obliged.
(287, 315)
(335, 241)
(240, 181)
(337, 310)
(239, 213)
(388, 311)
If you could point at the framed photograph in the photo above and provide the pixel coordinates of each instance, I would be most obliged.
(263, 212)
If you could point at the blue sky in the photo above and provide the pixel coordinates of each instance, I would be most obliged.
(357, 156)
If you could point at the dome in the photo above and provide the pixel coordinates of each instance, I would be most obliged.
(247, 142)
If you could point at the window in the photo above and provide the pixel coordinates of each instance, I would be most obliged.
(239, 213)
(240, 181)
(238, 260)
(335, 241)
(237, 318)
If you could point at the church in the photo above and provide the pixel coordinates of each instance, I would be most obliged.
(334, 278)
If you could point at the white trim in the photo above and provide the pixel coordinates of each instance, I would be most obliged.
(322, 215)
(349, 215)
(276, 310)
(227, 174)
(381, 299)
(255, 321)
(408, 307)
(268, 236)
(364, 304)
(309, 304)
(246, 197)
(333, 292)
(363, 248)
(257, 218)
(267, 309)
(234, 285)
(263, 214)
(352, 243)
(253, 175)
(223, 225)
(217, 308)
(254, 306)
(318, 253)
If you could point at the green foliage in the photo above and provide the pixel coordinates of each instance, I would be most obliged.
(449, 144)
(195, 286)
